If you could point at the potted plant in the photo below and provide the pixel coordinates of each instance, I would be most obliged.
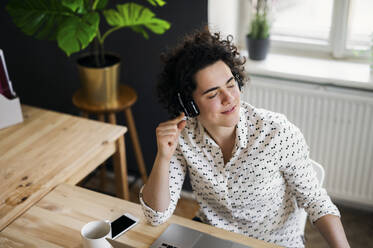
(75, 24)
(257, 40)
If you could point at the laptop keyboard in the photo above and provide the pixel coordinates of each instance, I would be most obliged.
(164, 245)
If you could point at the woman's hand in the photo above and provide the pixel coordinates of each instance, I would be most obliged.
(167, 136)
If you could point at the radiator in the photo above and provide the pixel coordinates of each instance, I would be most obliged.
(337, 124)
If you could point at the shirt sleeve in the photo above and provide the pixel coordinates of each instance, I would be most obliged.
(300, 175)
(176, 178)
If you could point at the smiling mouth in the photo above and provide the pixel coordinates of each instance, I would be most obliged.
(230, 110)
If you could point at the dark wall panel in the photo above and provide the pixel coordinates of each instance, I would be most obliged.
(44, 76)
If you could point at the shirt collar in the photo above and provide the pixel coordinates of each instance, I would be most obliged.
(205, 137)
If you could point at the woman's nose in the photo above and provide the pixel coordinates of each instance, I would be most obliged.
(227, 97)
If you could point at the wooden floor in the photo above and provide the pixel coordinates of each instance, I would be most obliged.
(358, 224)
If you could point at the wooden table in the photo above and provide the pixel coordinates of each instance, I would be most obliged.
(50, 148)
(56, 221)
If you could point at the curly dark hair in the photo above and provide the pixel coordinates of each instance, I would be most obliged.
(196, 51)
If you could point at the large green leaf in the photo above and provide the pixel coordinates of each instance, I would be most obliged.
(157, 2)
(38, 18)
(141, 30)
(95, 4)
(76, 33)
(137, 17)
(101, 4)
(73, 4)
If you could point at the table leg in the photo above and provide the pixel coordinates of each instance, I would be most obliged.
(120, 166)
(84, 114)
(112, 118)
(136, 143)
(101, 117)
(120, 170)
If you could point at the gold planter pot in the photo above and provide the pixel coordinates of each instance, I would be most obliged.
(99, 85)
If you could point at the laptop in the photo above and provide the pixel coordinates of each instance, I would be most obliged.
(176, 236)
(116, 244)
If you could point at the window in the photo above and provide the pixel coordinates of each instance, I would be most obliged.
(313, 26)
(361, 24)
(305, 35)
(342, 28)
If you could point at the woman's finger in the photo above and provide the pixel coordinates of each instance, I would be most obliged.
(168, 127)
(177, 119)
(167, 132)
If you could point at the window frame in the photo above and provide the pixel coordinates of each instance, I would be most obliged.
(336, 45)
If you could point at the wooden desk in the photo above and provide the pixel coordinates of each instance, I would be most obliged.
(50, 148)
(56, 221)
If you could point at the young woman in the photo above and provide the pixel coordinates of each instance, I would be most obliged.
(249, 167)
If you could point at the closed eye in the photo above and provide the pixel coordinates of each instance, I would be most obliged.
(231, 83)
(231, 86)
(212, 96)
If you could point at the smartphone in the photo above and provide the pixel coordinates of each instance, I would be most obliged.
(122, 224)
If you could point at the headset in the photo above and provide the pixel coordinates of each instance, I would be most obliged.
(190, 108)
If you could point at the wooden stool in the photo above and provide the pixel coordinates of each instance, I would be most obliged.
(127, 97)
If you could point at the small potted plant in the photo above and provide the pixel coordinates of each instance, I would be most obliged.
(75, 24)
(257, 40)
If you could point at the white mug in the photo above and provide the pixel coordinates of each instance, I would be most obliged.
(94, 234)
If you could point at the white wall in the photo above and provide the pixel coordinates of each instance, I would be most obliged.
(230, 17)
(222, 16)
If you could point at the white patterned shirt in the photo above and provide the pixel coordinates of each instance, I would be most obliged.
(260, 190)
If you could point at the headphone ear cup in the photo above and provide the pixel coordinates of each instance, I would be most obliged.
(238, 80)
(183, 108)
(190, 108)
